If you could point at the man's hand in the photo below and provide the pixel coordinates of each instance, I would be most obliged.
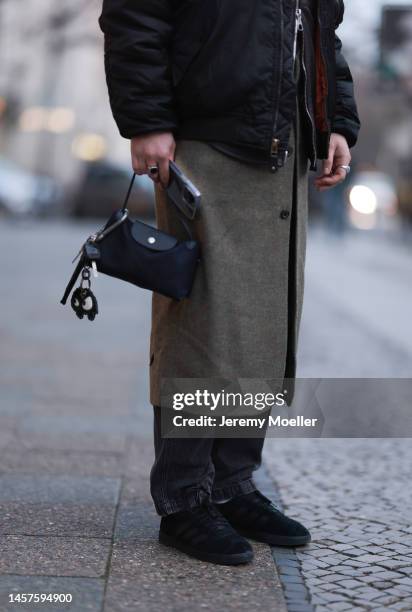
(153, 149)
(339, 155)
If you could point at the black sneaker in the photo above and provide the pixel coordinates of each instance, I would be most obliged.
(205, 534)
(254, 516)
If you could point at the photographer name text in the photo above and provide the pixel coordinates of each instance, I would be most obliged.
(224, 421)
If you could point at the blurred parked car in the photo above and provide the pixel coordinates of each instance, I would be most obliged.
(373, 200)
(405, 189)
(103, 189)
(23, 193)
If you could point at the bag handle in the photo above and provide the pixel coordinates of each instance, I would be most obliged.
(82, 261)
(179, 214)
(129, 191)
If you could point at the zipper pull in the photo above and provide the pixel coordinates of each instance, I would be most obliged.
(298, 28)
(274, 150)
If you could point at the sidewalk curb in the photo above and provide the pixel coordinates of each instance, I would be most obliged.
(288, 567)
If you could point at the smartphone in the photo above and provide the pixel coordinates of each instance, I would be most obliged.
(182, 192)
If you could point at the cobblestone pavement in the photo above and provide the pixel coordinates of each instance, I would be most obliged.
(354, 495)
(75, 449)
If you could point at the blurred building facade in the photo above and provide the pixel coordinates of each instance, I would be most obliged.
(55, 117)
(53, 98)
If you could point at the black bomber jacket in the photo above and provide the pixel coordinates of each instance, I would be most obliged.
(221, 70)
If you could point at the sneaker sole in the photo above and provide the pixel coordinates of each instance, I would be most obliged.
(218, 559)
(274, 540)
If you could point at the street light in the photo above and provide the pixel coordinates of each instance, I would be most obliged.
(363, 199)
(33, 119)
(60, 120)
(89, 147)
(40, 118)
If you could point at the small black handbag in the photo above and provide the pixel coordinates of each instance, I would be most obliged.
(137, 253)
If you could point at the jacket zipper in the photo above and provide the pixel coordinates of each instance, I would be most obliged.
(275, 142)
(274, 149)
(323, 63)
(299, 28)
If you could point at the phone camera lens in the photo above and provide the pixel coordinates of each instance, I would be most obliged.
(188, 196)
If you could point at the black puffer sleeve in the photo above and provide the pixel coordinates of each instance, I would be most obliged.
(136, 40)
(346, 120)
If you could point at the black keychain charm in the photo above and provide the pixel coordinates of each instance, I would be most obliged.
(83, 300)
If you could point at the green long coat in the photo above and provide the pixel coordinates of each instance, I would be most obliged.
(242, 318)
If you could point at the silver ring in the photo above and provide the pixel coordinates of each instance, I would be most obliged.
(153, 169)
(346, 168)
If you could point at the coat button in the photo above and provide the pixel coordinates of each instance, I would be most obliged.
(284, 214)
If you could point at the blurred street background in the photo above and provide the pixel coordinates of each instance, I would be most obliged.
(75, 422)
(61, 155)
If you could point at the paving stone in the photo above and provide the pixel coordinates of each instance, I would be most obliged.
(400, 548)
(371, 558)
(407, 581)
(147, 577)
(387, 575)
(340, 606)
(332, 597)
(349, 584)
(303, 607)
(286, 571)
(87, 593)
(354, 572)
(287, 579)
(396, 564)
(382, 584)
(82, 557)
(58, 505)
(56, 462)
(370, 593)
(329, 586)
(57, 519)
(64, 438)
(354, 552)
(342, 548)
(356, 563)
(70, 489)
(136, 521)
(386, 600)
(288, 563)
(373, 550)
(333, 577)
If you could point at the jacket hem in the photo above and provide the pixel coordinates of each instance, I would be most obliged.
(229, 129)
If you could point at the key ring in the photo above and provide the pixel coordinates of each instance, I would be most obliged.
(85, 277)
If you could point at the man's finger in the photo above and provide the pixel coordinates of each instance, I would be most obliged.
(139, 165)
(337, 177)
(155, 177)
(328, 163)
(164, 171)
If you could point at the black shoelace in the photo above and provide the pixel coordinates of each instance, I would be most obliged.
(209, 516)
